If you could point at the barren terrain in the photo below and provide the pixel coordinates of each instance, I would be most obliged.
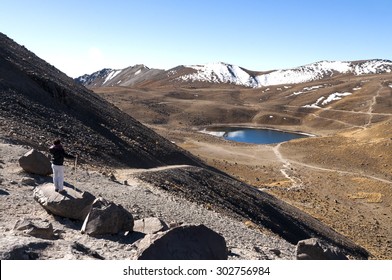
(342, 176)
(155, 176)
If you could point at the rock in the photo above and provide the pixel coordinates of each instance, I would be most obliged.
(35, 162)
(35, 227)
(106, 217)
(315, 249)
(79, 248)
(188, 242)
(22, 248)
(150, 225)
(27, 181)
(74, 204)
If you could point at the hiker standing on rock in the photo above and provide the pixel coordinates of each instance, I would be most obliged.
(58, 155)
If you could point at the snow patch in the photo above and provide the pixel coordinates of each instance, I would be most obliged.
(111, 75)
(306, 89)
(322, 101)
(335, 96)
(138, 72)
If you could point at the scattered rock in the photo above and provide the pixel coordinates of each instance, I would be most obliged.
(35, 227)
(150, 225)
(74, 204)
(27, 181)
(78, 248)
(35, 162)
(189, 242)
(106, 217)
(315, 249)
(22, 248)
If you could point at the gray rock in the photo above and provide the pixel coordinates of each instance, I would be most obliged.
(74, 204)
(189, 242)
(22, 248)
(28, 181)
(150, 225)
(35, 162)
(106, 217)
(315, 249)
(35, 227)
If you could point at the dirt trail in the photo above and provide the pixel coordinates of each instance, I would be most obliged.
(371, 107)
(287, 170)
(125, 173)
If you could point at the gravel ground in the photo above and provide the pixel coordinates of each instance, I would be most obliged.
(140, 198)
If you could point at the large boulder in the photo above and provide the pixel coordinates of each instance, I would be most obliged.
(315, 249)
(150, 225)
(188, 242)
(73, 204)
(106, 217)
(35, 162)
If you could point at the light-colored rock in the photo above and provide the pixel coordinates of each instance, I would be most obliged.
(315, 249)
(188, 242)
(35, 227)
(106, 217)
(150, 225)
(74, 204)
(35, 162)
(28, 181)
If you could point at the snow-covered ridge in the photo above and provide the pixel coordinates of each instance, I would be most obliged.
(227, 73)
(223, 73)
(220, 73)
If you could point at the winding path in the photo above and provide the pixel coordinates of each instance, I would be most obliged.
(297, 182)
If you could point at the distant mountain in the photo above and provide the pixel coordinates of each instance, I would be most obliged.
(124, 77)
(223, 73)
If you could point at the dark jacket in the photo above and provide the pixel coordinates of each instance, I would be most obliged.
(58, 154)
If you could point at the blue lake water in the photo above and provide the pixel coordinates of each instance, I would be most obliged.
(253, 135)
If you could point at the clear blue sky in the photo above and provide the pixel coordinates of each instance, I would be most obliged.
(81, 37)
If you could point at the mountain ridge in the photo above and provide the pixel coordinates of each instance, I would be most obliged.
(225, 73)
(38, 99)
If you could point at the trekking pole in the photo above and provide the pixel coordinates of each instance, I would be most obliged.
(76, 162)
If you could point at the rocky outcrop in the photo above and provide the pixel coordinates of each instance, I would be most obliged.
(189, 242)
(35, 162)
(73, 204)
(150, 225)
(106, 217)
(315, 249)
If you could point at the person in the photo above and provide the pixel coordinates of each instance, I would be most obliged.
(58, 155)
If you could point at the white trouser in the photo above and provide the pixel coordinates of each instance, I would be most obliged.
(58, 176)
